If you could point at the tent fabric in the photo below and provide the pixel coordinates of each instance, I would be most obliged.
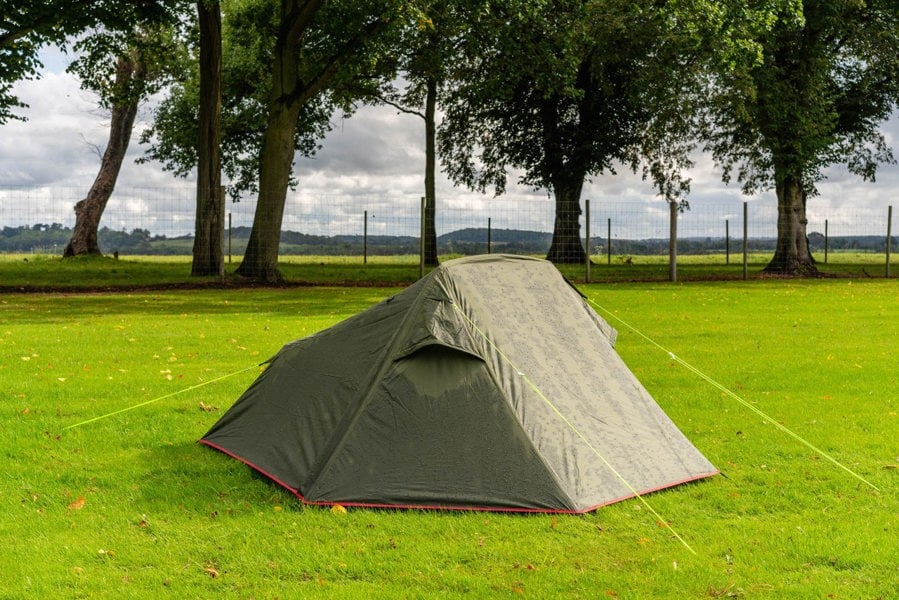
(488, 384)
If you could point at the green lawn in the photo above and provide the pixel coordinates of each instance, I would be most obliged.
(132, 506)
(27, 272)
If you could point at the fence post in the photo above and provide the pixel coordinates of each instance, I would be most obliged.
(826, 239)
(727, 241)
(421, 241)
(745, 241)
(229, 237)
(587, 234)
(489, 235)
(672, 241)
(609, 237)
(889, 236)
(365, 238)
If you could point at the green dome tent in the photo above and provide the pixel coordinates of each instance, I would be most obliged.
(488, 384)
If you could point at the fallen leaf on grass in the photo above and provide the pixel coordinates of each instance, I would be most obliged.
(206, 408)
(337, 509)
(77, 504)
(211, 571)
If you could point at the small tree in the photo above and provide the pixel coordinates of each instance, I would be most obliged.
(425, 55)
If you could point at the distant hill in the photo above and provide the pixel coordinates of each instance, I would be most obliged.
(52, 238)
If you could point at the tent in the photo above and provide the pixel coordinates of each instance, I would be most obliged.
(488, 384)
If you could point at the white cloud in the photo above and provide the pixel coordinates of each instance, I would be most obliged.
(372, 161)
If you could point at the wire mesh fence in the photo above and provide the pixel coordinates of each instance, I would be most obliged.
(142, 221)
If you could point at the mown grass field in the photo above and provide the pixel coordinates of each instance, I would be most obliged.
(132, 506)
(28, 272)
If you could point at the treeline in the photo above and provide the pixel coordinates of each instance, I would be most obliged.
(52, 238)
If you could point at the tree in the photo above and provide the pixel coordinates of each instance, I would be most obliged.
(425, 54)
(563, 90)
(828, 76)
(28, 25)
(209, 226)
(287, 67)
(314, 43)
(141, 58)
(130, 73)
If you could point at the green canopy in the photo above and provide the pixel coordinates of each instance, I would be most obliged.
(488, 384)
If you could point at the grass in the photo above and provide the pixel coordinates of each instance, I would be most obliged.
(20, 272)
(131, 506)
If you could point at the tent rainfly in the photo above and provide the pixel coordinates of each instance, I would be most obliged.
(489, 384)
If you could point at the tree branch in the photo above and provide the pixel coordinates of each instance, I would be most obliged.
(401, 108)
(333, 66)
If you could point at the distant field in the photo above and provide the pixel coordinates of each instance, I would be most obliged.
(44, 271)
(131, 506)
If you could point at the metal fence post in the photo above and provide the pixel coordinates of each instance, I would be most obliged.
(489, 235)
(889, 236)
(609, 237)
(826, 239)
(745, 241)
(365, 238)
(727, 241)
(672, 241)
(421, 245)
(587, 235)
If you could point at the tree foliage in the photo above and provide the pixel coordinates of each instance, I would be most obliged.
(249, 29)
(827, 77)
(26, 26)
(560, 90)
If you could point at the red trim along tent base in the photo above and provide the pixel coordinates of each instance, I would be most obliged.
(489, 384)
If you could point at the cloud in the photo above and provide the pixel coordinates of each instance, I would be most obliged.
(373, 161)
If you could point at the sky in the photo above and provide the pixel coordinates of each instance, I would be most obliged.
(371, 162)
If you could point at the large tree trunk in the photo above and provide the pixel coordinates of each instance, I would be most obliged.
(566, 246)
(288, 96)
(792, 255)
(260, 259)
(430, 233)
(89, 211)
(208, 232)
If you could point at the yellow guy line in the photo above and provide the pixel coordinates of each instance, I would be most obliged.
(193, 387)
(734, 396)
(571, 426)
